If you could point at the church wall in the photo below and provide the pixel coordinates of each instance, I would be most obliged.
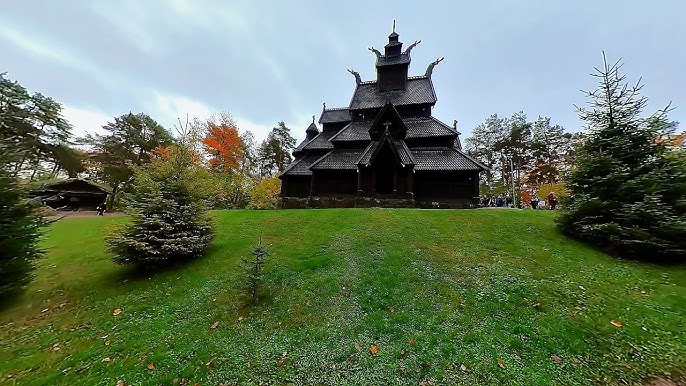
(430, 142)
(445, 186)
(339, 183)
(333, 127)
(392, 78)
(296, 186)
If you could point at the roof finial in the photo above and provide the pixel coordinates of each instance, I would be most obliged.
(356, 74)
(455, 124)
(313, 119)
(324, 103)
(393, 25)
(430, 69)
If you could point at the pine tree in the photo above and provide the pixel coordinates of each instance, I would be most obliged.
(167, 204)
(254, 268)
(19, 226)
(627, 189)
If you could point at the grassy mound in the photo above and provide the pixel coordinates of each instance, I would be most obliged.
(470, 297)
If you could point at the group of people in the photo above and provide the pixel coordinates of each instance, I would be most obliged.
(497, 201)
(550, 202)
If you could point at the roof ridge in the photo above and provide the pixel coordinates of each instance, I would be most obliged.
(335, 108)
(320, 159)
(339, 131)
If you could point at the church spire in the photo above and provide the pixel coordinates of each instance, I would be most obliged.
(394, 47)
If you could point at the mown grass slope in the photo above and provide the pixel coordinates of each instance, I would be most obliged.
(472, 297)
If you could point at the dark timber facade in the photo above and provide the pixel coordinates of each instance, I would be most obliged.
(385, 148)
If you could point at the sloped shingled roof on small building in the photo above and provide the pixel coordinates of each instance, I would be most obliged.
(320, 142)
(301, 167)
(417, 127)
(335, 115)
(442, 158)
(340, 159)
(418, 90)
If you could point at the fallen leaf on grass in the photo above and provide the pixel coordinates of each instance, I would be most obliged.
(501, 364)
(374, 349)
(616, 323)
(214, 326)
(281, 362)
(184, 382)
(403, 352)
(464, 368)
(392, 310)
(425, 365)
(413, 341)
(116, 312)
(106, 360)
(240, 318)
(357, 346)
(151, 367)
(556, 358)
(121, 383)
(107, 343)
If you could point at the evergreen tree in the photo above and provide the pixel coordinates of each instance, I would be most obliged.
(19, 226)
(274, 153)
(167, 203)
(627, 189)
(129, 142)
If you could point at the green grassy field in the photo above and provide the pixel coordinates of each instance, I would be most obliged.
(476, 297)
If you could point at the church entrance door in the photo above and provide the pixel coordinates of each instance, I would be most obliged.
(384, 171)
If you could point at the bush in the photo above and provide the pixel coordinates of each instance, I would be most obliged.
(627, 188)
(265, 194)
(167, 204)
(20, 229)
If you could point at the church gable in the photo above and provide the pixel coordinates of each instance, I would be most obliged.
(388, 120)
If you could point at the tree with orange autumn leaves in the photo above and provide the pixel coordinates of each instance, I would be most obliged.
(223, 143)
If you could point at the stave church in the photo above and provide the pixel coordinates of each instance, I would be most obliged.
(385, 148)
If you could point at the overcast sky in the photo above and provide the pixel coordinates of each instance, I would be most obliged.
(270, 61)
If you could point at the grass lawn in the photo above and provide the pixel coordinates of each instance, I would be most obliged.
(475, 297)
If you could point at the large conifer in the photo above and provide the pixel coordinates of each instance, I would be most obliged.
(628, 189)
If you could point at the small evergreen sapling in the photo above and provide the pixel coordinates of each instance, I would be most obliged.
(254, 267)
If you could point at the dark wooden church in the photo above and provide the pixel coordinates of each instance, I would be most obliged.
(385, 148)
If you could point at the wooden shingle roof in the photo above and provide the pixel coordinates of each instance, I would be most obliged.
(417, 127)
(335, 115)
(339, 159)
(418, 90)
(443, 158)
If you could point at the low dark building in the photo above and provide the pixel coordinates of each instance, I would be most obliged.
(385, 147)
(72, 193)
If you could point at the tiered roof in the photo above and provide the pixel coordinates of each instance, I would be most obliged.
(418, 90)
(364, 132)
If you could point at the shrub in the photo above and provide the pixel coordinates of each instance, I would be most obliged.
(167, 204)
(265, 194)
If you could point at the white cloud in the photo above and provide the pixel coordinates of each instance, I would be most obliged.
(85, 121)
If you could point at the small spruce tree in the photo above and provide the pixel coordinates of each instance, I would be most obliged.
(20, 227)
(627, 189)
(254, 268)
(167, 204)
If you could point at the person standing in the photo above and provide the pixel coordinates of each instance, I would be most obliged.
(552, 200)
